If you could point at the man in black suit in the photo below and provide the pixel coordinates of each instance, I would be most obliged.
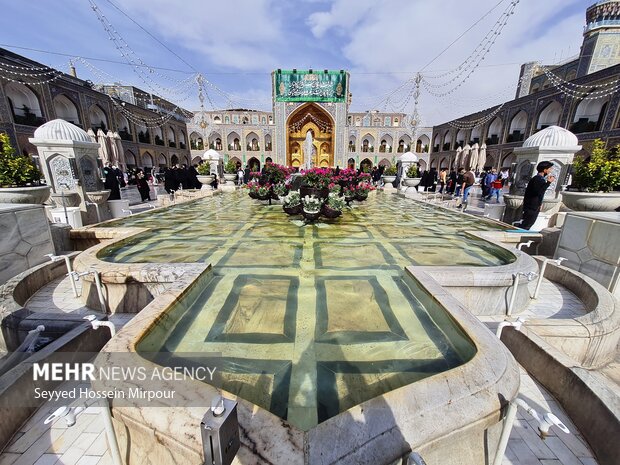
(535, 192)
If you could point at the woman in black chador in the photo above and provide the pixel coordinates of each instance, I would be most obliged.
(111, 182)
(143, 186)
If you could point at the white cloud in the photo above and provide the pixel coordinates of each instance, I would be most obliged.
(241, 34)
(393, 35)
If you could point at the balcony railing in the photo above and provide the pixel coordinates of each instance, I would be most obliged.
(446, 146)
(583, 126)
(29, 120)
(194, 145)
(516, 136)
(145, 138)
(494, 140)
(159, 140)
(182, 146)
(172, 144)
(125, 136)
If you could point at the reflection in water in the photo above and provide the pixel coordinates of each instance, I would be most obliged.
(311, 320)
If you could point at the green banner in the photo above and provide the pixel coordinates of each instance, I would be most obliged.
(306, 86)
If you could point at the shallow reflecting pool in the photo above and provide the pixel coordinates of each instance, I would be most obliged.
(314, 319)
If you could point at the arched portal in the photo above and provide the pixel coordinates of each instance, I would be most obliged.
(310, 117)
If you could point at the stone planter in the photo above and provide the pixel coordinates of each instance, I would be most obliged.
(388, 179)
(230, 178)
(361, 197)
(591, 201)
(31, 195)
(411, 182)
(205, 180)
(98, 197)
(67, 199)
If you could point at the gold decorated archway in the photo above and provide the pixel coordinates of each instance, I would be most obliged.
(310, 117)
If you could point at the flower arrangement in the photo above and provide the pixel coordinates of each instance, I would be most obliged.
(280, 189)
(601, 173)
(255, 175)
(263, 190)
(348, 175)
(230, 167)
(204, 168)
(15, 170)
(253, 187)
(349, 192)
(335, 202)
(292, 199)
(319, 178)
(364, 188)
(412, 171)
(334, 188)
(274, 173)
(312, 204)
(391, 170)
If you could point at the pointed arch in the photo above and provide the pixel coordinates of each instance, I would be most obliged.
(25, 104)
(549, 115)
(98, 118)
(251, 142)
(66, 109)
(589, 115)
(311, 117)
(234, 141)
(518, 124)
(386, 143)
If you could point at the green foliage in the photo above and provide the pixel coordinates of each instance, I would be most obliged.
(412, 172)
(390, 170)
(230, 167)
(204, 169)
(15, 170)
(601, 173)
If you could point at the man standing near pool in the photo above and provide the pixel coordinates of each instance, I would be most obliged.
(535, 192)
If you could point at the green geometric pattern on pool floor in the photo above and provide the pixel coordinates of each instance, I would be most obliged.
(312, 320)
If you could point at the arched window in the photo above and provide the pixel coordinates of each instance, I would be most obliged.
(233, 141)
(172, 137)
(495, 130)
(24, 104)
(263, 120)
(447, 141)
(182, 140)
(226, 119)
(475, 135)
(550, 115)
(422, 144)
(460, 138)
(435, 143)
(268, 143)
(195, 141)
(159, 135)
(352, 141)
(516, 131)
(124, 129)
(66, 109)
(589, 115)
(368, 143)
(217, 119)
(144, 135)
(98, 118)
(215, 141)
(404, 144)
(251, 142)
(386, 144)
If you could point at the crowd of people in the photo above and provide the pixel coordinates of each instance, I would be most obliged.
(176, 177)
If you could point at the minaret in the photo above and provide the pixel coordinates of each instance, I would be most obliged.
(601, 38)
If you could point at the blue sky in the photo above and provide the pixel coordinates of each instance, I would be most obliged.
(237, 43)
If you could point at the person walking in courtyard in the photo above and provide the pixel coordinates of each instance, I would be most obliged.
(469, 178)
(143, 186)
(111, 182)
(535, 192)
(443, 176)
